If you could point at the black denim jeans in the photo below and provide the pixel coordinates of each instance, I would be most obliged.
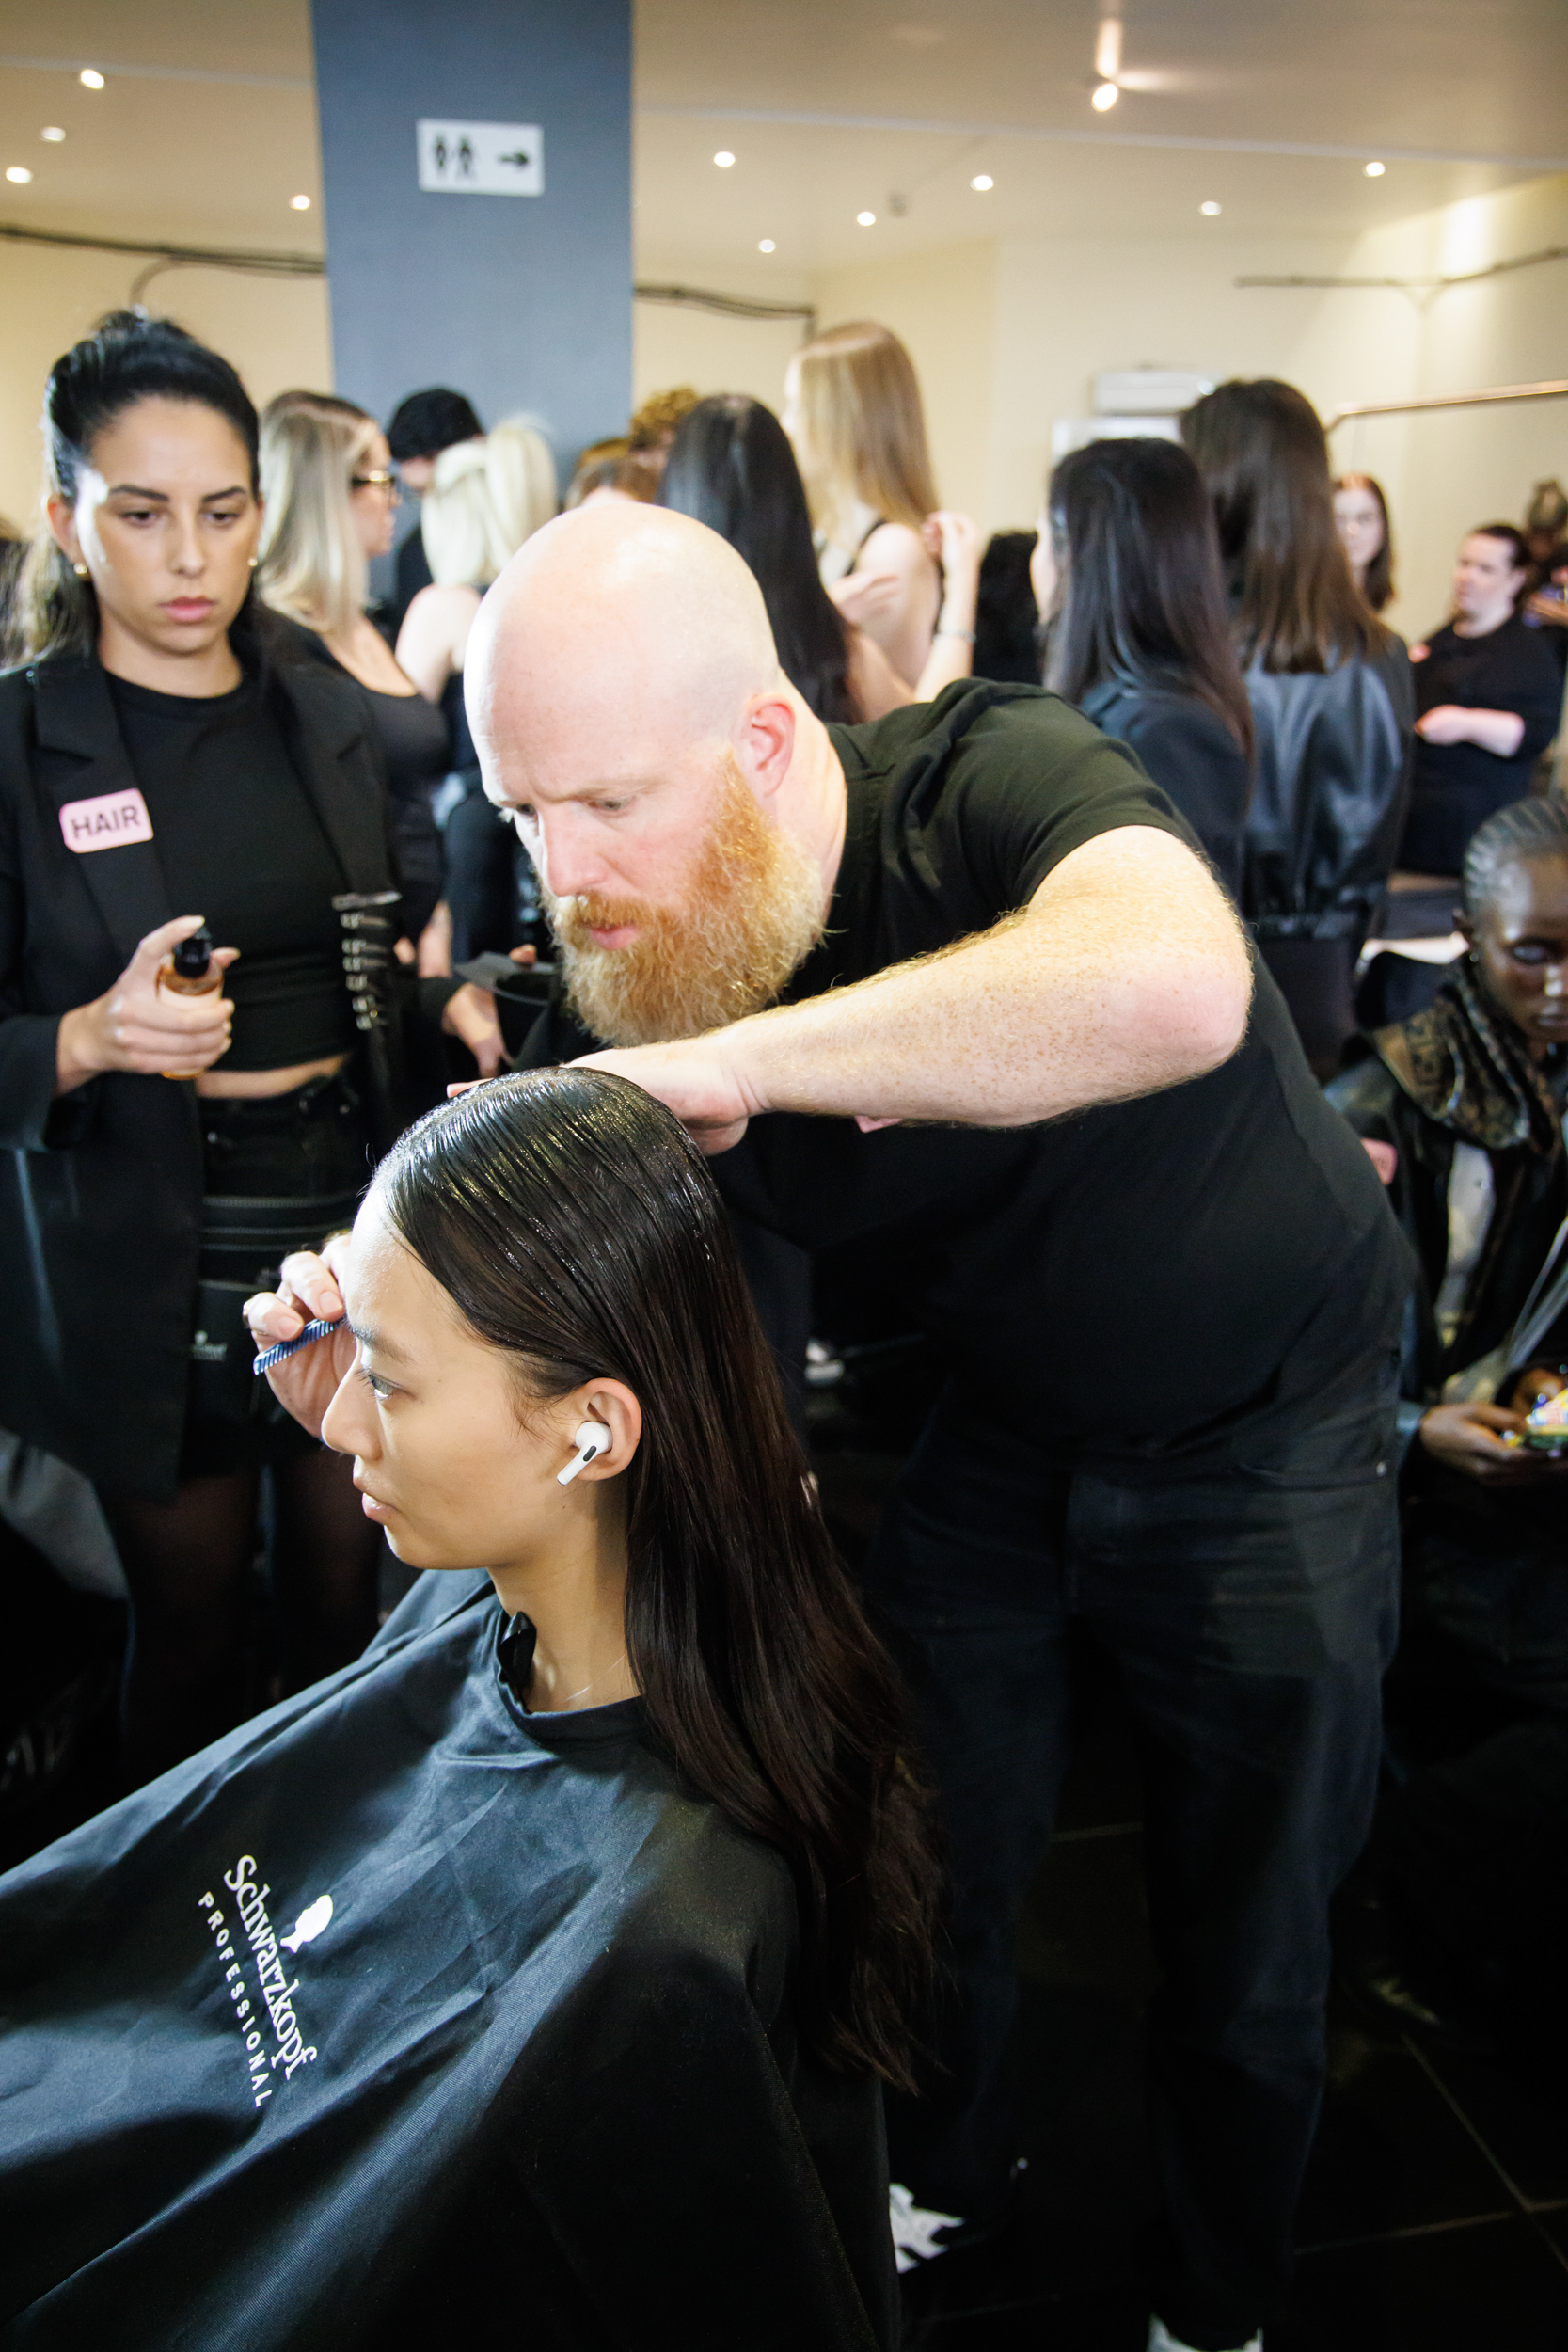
(1251, 1605)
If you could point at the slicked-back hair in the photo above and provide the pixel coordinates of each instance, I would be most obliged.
(575, 1227)
(1142, 600)
(731, 467)
(1516, 834)
(1294, 604)
(128, 357)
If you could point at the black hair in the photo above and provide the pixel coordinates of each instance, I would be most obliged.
(1006, 618)
(1516, 834)
(1142, 600)
(128, 357)
(575, 1226)
(427, 422)
(1261, 449)
(731, 467)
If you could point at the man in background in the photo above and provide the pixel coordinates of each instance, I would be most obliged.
(420, 427)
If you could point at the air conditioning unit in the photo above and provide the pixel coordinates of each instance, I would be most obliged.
(1129, 403)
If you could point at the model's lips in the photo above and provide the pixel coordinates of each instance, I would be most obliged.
(370, 1505)
(189, 608)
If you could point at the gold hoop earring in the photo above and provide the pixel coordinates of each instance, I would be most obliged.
(80, 570)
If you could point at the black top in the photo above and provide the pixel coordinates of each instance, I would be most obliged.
(1191, 755)
(1134, 1281)
(402, 2017)
(239, 844)
(412, 569)
(1456, 787)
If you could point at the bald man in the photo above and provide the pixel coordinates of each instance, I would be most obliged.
(959, 983)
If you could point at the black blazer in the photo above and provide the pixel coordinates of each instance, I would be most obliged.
(100, 1191)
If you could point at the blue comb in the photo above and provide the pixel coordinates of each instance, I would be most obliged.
(308, 1337)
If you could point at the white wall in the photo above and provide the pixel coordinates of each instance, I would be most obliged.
(273, 329)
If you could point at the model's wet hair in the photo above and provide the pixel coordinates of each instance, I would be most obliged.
(575, 1226)
(1142, 600)
(731, 467)
(1518, 834)
(128, 357)
(1294, 605)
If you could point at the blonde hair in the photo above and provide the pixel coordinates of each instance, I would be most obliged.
(313, 566)
(484, 500)
(863, 429)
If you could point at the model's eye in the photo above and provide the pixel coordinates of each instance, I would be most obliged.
(378, 1386)
(1530, 951)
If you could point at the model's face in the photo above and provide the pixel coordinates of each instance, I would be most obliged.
(373, 499)
(166, 523)
(1486, 581)
(1520, 944)
(431, 1415)
(1359, 523)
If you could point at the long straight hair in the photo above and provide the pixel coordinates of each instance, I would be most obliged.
(862, 428)
(731, 467)
(313, 566)
(1377, 580)
(487, 498)
(1261, 449)
(1142, 600)
(126, 358)
(575, 1227)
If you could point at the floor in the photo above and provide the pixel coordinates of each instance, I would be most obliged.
(1435, 2213)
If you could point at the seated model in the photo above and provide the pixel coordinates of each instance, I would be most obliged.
(530, 1980)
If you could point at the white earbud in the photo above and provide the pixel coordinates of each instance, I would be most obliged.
(592, 1439)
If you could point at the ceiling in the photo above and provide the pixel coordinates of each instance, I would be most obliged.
(205, 129)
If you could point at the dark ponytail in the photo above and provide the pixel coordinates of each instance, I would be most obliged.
(575, 1226)
(126, 358)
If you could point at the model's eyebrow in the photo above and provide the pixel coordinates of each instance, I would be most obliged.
(160, 498)
(378, 1345)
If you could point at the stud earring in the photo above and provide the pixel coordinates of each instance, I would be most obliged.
(254, 561)
(80, 570)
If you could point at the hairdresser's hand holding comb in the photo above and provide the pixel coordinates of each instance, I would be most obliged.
(306, 1292)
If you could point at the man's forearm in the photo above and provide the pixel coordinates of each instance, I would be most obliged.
(1128, 974)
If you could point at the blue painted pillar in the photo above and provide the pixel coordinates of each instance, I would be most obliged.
(523, 302)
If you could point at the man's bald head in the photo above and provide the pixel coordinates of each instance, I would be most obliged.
(614, 622)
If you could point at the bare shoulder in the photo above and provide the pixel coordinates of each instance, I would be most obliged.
(894, 548)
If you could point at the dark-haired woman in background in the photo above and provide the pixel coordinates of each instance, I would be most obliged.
(608, 1861)
(731, 466)
(1127, 569)
(1489, 693)
(156, 772)
(1333, 706)
(1361, 519)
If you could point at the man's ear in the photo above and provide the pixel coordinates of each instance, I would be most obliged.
(766, 743)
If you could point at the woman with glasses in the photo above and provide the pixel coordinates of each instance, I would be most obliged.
(330, 498)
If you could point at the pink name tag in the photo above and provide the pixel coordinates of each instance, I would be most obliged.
(106, 823)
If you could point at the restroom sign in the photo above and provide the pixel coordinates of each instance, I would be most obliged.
(481, 158)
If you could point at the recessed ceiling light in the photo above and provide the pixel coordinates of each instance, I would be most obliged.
(723, 159)
(53, 134)
(90, 78)
(1104, 98)
(300, 203)
(766, 245)
(981, 182)
(866, 220)
(1210, 211)
(20, 173)
(1376, 171)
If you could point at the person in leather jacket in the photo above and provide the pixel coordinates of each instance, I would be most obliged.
(1463, 1108)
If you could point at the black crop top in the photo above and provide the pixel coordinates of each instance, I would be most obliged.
(239, 844)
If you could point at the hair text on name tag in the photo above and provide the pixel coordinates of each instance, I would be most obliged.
(106, 823)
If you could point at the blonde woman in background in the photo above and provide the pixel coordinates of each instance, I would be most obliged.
(484, 499)
(897, 567)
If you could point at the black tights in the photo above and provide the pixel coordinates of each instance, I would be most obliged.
(187, 1562)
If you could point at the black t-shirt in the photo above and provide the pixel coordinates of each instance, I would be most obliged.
(1145, 1280)
(239, 844)
(1456, 787)
(1137, 1280)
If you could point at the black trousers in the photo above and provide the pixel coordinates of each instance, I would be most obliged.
(1251, 1606)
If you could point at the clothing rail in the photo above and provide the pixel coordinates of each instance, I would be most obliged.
(1555, 389)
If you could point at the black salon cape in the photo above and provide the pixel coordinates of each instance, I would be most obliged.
(553, 2098)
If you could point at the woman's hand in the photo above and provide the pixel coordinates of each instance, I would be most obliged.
(1469, 1437)
(471, 1016)
(139, 1026)
(307, 1292)
(955, 542)
(863, 598)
